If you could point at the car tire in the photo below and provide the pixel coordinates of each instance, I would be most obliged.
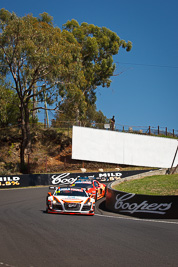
(47, 206)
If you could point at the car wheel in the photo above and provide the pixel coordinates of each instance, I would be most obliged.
(47, 206)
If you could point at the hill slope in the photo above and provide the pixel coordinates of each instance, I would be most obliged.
(51, 152)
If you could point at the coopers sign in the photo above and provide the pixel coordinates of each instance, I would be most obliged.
(124, 204)
(25, 180)
(70, 178)
(63, 179)
(142, 206)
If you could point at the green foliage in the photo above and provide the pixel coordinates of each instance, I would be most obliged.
(40, 59)
(95, 118)
(37, 54)
(9, 109)
(44, 17)
(98, 47)
(47, 64)
(91, 117)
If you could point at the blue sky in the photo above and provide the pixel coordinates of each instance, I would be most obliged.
(146, 91)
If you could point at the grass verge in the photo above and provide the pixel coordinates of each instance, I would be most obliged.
(152, 185)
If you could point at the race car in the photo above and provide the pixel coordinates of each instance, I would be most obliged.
(67, 200)
(94, 188)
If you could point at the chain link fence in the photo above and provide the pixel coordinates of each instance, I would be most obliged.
(66, 128)
(147, 130)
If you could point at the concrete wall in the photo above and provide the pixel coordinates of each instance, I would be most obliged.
(123, 148)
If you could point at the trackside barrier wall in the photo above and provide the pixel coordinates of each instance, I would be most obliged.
(15, 181)
(141, 206)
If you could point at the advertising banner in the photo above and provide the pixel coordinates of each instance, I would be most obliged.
(123, 148)
(142, 206)
(14, 181)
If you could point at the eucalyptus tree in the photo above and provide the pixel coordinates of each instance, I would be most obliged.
(38, 55)
(99, 45)
(9, 111)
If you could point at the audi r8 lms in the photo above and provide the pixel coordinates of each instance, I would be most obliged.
(94, 188)
(70, 201)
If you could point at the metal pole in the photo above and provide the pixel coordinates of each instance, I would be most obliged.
(174, 157)
(169, 170)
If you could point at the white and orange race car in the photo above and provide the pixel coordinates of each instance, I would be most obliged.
(94, 187)
(67, 200)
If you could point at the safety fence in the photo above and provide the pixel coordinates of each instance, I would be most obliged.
(149, 130)
(66, 127)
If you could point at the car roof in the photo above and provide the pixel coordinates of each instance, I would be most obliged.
(69, 189)
(83, 182)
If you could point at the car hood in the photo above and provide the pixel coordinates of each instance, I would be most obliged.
(71, 199)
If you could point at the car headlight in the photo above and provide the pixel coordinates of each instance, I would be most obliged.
(54, 201)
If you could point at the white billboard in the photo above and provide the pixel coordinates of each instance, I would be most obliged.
(123, 148)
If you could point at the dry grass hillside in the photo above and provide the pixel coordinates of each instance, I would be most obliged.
(51, 153)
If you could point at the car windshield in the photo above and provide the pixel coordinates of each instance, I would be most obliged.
(70, 192)
(83, 185)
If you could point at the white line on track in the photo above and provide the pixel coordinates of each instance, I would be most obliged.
(135, 219)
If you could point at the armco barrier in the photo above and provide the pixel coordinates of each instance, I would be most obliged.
(141, 206)
(15, 181)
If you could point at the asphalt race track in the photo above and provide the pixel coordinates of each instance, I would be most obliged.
(30, 237)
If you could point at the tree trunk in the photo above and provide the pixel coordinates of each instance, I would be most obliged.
(34, 112)
(26, 137)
